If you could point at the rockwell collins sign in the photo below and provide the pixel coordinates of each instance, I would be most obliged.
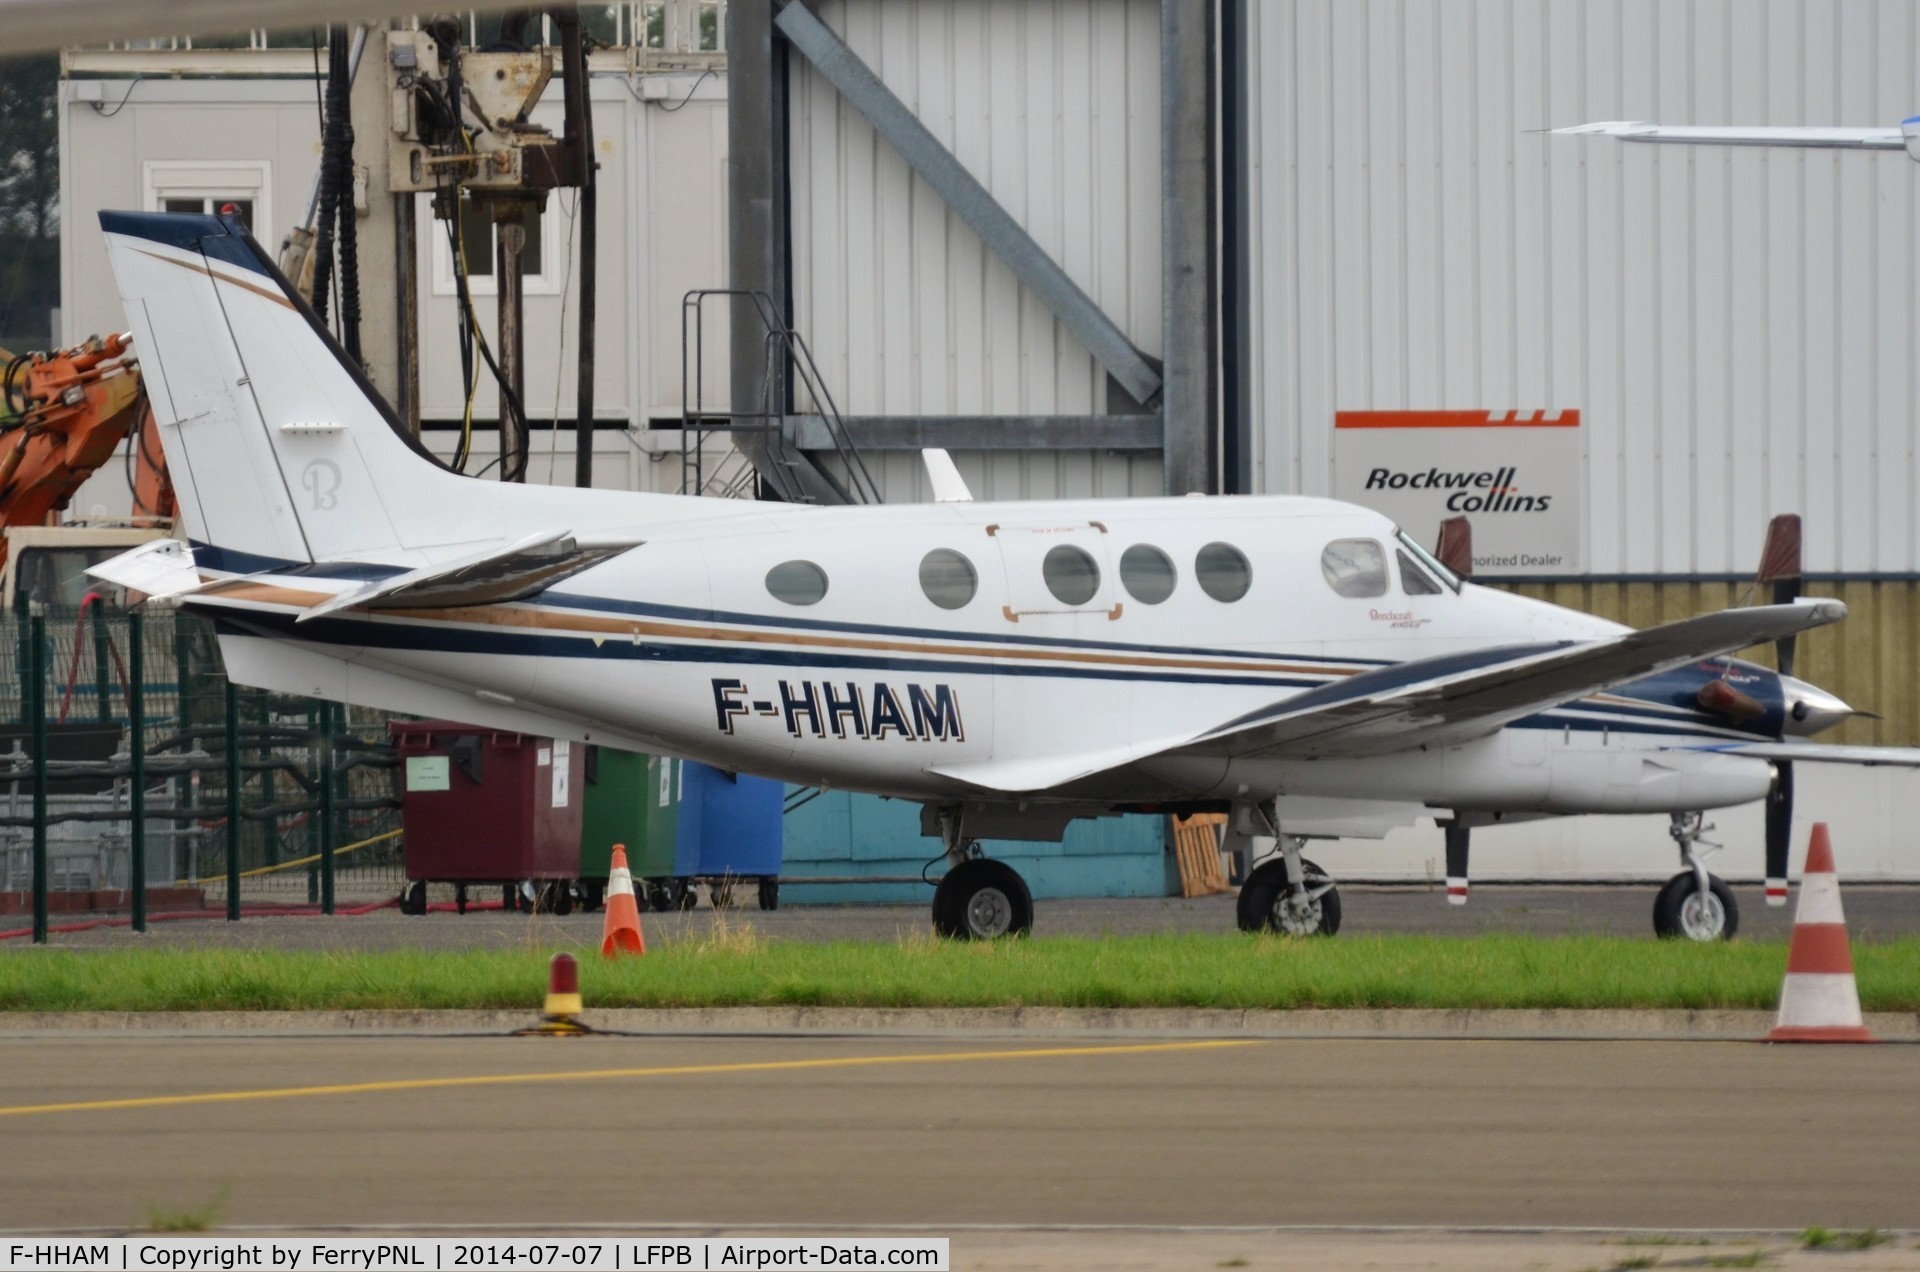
(1520, 478)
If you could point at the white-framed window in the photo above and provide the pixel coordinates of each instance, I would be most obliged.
(207, 185)
(541, 262)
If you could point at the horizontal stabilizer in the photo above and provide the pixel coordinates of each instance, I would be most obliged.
(512, 573)
(162, 569)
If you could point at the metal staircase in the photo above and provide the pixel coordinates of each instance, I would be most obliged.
(765, 441)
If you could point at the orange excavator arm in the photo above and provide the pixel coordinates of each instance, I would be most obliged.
(62, 415)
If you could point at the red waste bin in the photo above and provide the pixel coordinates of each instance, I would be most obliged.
(485, 806)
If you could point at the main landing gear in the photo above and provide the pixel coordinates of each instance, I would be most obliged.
(1695, 904)
(1286, 893)
(978, 898)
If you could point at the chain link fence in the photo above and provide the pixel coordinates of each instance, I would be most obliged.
(292, 805)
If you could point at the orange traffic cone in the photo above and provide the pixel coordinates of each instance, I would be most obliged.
(1819, 1002)
(622, 931)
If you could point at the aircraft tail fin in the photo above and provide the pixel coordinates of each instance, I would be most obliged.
(278, 446)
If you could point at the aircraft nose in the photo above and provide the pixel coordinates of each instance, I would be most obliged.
(1811, 709)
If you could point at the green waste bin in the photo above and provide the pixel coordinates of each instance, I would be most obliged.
(621, 807)
(665, 890)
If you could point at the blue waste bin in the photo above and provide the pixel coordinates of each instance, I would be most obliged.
(729, 830)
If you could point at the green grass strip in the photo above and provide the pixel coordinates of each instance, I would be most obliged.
(742, 969)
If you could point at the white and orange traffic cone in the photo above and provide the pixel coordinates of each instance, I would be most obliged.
(1819, 1002)
(621, 933)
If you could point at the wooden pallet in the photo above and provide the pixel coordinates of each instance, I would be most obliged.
(1196, 843)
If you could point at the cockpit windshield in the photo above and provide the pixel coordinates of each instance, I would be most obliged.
(1427, 559)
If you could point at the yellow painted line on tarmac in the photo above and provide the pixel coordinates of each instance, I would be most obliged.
(601, 1075)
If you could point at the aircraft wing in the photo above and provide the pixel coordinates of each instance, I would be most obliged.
(511, 573)
(1455, 697)
(1716, 135)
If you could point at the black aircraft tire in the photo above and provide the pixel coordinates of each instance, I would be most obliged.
(1260, 897)
(414, 899)
(769, 893)
(1673, 919)
(982, 900)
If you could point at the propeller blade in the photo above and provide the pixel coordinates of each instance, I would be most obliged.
(1457, 864)
(1780, 566)
(1779, 831)
(1455, 548)
(1783, 649)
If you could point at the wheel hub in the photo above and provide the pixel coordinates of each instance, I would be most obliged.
(1297, 913)
(989, 913)
(1702, 917)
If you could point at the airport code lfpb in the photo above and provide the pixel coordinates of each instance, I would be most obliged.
(391, 1254)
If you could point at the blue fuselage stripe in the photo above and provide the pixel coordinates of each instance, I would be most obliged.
(443, 638)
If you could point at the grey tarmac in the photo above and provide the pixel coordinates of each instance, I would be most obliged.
(1032, 1132)
(1874, 912)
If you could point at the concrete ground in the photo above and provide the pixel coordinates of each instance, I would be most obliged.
(1026, 1152)
(1875, 912)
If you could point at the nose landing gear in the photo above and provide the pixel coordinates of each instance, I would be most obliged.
(1287, 893)
(1694, 904)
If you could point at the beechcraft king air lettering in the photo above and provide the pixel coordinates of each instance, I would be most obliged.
(1301, 664)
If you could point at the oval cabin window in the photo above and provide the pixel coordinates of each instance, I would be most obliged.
(948, 579)
(1147, 573)
(797, 582)
(1223, 572)
(1071, 575)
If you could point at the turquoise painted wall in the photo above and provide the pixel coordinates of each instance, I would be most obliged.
(843, 834)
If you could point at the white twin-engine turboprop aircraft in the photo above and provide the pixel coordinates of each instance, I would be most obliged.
(1298, 662)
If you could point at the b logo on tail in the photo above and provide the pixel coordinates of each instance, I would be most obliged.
(321, 477)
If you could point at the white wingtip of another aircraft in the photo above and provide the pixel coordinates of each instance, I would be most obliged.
(1607, 128)
(944, 476)
(1818, 137)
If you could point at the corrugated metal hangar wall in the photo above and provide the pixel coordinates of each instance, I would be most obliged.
(1736, 325)
(1053, 107)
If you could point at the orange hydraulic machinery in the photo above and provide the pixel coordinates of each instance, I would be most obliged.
(62, 415)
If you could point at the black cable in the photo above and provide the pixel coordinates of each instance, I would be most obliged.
(133, 440)
(154, 463)
(329, 192)
(467, 385)
(510, 399)
(348, 233)
(690, 92)
(109, 114)
(14, 415)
